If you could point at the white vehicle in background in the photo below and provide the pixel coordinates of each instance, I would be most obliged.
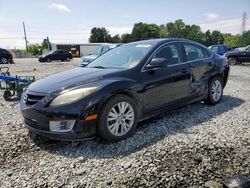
(85, 60)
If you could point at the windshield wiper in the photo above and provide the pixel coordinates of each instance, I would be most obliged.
(99, 67)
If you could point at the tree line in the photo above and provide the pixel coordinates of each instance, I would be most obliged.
(177, 29)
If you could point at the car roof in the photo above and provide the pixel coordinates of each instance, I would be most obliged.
(164, 40)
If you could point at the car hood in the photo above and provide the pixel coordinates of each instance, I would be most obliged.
(232, 53)
(69, 79)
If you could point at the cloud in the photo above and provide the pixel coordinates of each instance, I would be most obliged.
(211, 16)
(1, 18)
(60, 7)
(119, 30)
(226, 26)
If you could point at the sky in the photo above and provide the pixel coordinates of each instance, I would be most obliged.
(70, 21)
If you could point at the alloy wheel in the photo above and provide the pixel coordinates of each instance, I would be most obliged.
(216, 90)
(120, 119)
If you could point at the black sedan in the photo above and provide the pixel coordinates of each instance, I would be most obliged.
(239, 55)
(125, 85)
(59, 55)
(5, 56)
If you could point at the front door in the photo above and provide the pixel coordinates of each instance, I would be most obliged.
(166, 85)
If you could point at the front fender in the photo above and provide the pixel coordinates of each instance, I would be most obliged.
(114, 87)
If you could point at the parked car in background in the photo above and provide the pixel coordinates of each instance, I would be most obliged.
(239, 55)
(220, 49)
(123, 86)
(5, 56)
(85, 60)
(57, 55)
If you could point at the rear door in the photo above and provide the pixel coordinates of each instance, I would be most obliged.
(201, 64)
(166, 85)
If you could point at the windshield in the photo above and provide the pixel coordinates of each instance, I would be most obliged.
(123, 57)
(98, 50)
(48, 53)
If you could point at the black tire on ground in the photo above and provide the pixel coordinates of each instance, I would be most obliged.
(215, 95)
(4, 60)
(7, 95)
(102, 128)
(233, 61)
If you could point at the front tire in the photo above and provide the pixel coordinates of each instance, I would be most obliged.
(68, 59)
(118, 119)
(233, 61)
(215, 91)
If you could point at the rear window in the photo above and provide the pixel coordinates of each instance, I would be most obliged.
(194, 52)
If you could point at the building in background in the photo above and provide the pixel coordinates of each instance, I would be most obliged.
(77, 50)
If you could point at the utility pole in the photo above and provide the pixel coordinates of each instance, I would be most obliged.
(244, 22)
(25, 37)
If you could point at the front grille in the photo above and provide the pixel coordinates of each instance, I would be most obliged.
(32, 99)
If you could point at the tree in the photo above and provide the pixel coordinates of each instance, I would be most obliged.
(116, 39)
(126, 38)
(100, 35)
(143, 31)
(244, 39)
(208, 38)
(46, 44)
(231, 40)
(217, 37)
(35, 49)
(177, 29)
(193, 32)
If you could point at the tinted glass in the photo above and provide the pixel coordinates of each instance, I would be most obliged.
(170, 52)
(123, 57)
(194, 52)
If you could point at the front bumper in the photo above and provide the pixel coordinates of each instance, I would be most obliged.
(37, 119)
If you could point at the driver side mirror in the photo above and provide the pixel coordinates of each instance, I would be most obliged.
(157, 63)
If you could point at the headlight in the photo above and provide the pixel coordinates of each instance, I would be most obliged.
(72, 96)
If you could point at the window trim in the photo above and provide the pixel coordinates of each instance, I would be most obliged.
(179, 49)
(143, 69)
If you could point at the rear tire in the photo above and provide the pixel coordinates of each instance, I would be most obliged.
(215, 91)
(233, 61)
(118, 118)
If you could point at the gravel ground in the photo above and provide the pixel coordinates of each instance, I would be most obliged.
(195, 146)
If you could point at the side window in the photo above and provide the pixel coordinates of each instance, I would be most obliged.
(170, 52)
(194, 52)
